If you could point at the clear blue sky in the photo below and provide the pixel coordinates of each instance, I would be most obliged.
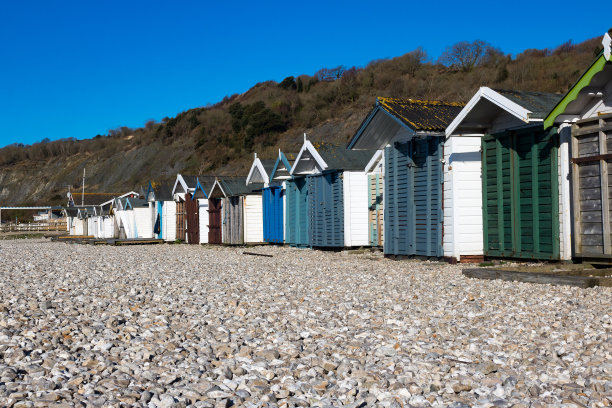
(80, 68)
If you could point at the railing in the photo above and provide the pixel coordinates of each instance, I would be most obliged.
(35, 226)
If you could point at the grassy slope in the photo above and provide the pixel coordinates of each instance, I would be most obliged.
(202, 140)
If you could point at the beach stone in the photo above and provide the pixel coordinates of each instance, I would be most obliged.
(207, 326)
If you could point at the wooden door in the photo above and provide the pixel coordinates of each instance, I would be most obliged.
(214, 221)
(193, 220)
(180, 220)
(413, 188)
(520, 194)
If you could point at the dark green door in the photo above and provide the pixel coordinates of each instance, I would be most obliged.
(520, 194)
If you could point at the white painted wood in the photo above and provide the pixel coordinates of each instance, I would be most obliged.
(203, 219)
(308, 160)
(142, 221)
(78, 226)
(463, 227)
(109, 227)
(258, 174)
(169, 220)
(565, 220)
(488, 94)
(253, 219)
(355, 197)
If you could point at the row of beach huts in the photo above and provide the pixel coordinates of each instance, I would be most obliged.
(511, 174)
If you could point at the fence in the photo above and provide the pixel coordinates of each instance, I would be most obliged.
(35, 226)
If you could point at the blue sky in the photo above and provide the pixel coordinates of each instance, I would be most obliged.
(80, 68)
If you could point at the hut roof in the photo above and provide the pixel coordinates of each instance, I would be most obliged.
(539, 103)
(421, 115)
(340, 158)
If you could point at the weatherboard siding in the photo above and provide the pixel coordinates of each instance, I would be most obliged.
(413, 202)
(169, 221)
(203, 219)
(253, 219)
(463, 228)
(521, 193)
(356, 226)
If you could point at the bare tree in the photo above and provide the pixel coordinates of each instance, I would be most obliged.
(465, 55)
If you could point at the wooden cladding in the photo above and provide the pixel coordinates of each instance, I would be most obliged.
(520, 193)
(214, 221)
(193, 220)
(375, 208)
(181, 220)
(592, 186)
(326, 210)
(413, 198)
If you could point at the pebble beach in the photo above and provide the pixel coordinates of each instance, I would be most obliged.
(203, 326)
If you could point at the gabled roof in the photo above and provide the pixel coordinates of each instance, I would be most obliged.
(422, 115)
(326, 156)
(233, 186)
(282, 167)
(203, 187)
(588, 87)
(138, 202)
(260, 171)
(537, 103)
(520, 107)
(340, 158)
(161, 192)
(189, 183)
(391, 114)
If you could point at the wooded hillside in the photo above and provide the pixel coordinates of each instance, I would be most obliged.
(328, 106)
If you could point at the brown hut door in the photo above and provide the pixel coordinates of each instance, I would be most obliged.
(193, 220)
(214, 221)
(180, 220)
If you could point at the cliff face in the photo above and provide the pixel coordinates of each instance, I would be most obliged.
(221, 139)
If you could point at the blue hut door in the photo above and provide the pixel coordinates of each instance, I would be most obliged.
(413, 202)
(326, 210)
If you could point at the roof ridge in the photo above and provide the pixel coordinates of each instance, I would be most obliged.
(419, 101)
(526, 92)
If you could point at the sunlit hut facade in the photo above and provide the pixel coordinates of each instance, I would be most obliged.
(240, 211)
(163, 211)
(409, 134)
(584, 116)
(524, 187)
(273, 174)
(337, 209)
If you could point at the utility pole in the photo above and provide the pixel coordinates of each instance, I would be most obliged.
(83, 195)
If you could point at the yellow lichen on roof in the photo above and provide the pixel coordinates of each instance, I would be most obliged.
(421, 114)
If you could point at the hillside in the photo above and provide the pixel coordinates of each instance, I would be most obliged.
(220, 139)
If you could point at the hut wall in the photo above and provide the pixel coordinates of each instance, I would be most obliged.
(297, 220)
(253, 219)
(203, 222)
(463, 223)
(326, 210)
(142, 220)
(193, 220)
(169, 221)
(215, 221)
(521, 194)
(376, 208)
(109, 226)
(413, 202)
(356, 214)
(273, 205)
(233, 221)
(592, 187)
(181, 221)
